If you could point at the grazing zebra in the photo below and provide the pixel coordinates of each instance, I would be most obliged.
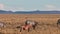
(32, 23)
(28, 25)
(2, 24)
(58, 22)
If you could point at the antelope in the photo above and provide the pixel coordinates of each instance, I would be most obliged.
(28, 25)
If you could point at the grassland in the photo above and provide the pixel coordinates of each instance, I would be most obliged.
(47, 21)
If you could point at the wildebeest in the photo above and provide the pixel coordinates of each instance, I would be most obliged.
(28, 25)
(58, 22)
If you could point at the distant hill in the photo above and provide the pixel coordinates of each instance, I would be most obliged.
(29, 12)
(5, 12)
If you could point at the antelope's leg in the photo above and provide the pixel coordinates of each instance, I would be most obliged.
(28, 29)
(57, 24)
(20, 29)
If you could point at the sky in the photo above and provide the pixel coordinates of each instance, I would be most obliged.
(29, 4)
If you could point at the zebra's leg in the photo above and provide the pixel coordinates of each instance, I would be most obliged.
(34, 27)
(58, 25)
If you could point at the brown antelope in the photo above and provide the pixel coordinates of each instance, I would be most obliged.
(28, 25)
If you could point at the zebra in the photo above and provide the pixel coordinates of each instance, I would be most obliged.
(32, 23)
(58, 22)
(2, 25)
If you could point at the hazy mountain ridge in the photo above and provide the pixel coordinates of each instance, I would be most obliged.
(29, 12)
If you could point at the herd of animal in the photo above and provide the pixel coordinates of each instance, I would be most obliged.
(28, 25)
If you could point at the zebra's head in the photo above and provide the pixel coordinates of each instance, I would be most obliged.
(30, 22)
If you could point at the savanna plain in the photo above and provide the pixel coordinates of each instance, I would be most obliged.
(48, 23)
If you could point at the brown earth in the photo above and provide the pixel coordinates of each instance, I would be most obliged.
(47, 21)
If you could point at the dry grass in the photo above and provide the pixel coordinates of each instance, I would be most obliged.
(48, 23)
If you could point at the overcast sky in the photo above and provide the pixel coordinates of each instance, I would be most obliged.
(29, 4)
